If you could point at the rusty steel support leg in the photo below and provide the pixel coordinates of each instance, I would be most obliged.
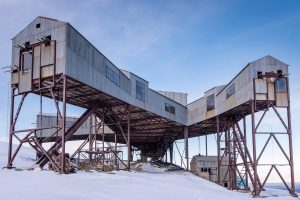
(234, 150)
(186, 146)
(11, 127)
(116, 149)
(206, 145)
(255, 176)
(103, 151)
(292, 190)
(229, 153)
(91, 137)
(63, 141)
(218, 150)
(128, 139)
(245, 136)
(171, 153)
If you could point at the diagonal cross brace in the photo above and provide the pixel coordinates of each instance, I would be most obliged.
(69, 133)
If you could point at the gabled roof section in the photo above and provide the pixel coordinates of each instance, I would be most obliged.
(268, 60)
(45, 23)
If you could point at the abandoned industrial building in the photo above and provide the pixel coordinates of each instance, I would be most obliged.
(50, 58)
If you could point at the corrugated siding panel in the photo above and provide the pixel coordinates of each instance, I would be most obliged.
(36, 62)
(51, 121)
(25, 82)
(271, 91)
(90, 69)
(197, 111)
(243, 92)
(31, 34)
(281, 99)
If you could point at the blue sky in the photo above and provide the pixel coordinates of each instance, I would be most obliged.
(186, 46)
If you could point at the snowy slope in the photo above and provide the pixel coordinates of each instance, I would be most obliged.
(25, 157)
(120, 185)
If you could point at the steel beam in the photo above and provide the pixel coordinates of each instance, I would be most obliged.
(11, 127)
(255, 188)
(63, 125)
(186, 146)
(128, 139)
(218, 150)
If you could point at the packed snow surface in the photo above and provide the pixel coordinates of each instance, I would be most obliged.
(148, 184)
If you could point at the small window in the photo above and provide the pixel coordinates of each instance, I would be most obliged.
(38, 25)
(280, 85)
(210, 102)
(26, 60)
(230, 90)
(112, 75)
(259, 74)
(48, 40)
(169, 108)
(140, 90)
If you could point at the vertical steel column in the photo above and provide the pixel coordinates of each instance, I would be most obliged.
(206, 145)
(166, 156)
(229, 157)
(128, 139)
(63, 148)
(171, 153)
(218, 150)
(116, 151)
(103, 152)
(255, 189)
(226, 141)
(11, 127)
(245, 136)
(290, 141)
(186, 144)
(234, 150)
(96, 132)
(91, 137)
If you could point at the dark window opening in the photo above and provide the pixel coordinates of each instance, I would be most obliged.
(169, 108)
(140, 91)
(112, 75)
(279, 72)
(26, 44)
(210, 102)
(38, 25)
(26, 60)
(230, 90)
(48, 40)
(280, 85)
(259, 74)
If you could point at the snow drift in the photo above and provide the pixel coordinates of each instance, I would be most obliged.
(150, 184)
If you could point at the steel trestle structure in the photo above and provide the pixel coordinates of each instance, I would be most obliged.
(232, 143)
(53, 60)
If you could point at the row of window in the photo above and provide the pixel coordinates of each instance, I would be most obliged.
(280, 87)
(27, 55)
(26, 60)
(230, 90)
(170, 108)
(140, 90)
(210, 102)
(112, 75)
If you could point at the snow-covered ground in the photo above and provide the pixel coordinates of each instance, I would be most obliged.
(148, 184)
